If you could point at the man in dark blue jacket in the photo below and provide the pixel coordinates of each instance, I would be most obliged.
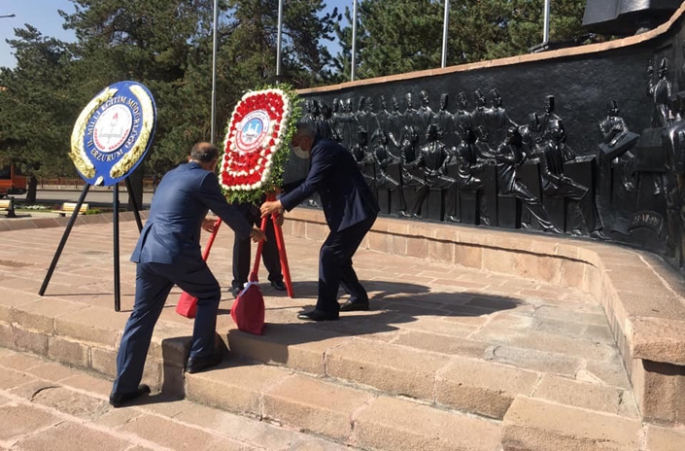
(168, 254)
(350, 209)
(242, 248)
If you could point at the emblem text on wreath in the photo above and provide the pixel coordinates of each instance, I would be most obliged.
(113, 128)
(252, 131)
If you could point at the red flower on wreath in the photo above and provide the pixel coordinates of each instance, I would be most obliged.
(256, 134)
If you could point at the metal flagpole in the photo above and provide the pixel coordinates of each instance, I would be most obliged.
(214, 46)
(279, 42)
(545, 36)
(445, 27)
(117, 265)
(354, 39)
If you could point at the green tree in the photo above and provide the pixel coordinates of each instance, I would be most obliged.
(36, 108)
(251, 49)
(151, 42)
(392, 37)
(396, 36)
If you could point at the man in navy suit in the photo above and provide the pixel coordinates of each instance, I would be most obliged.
(270, 254)
(350, 209)
(168, 254)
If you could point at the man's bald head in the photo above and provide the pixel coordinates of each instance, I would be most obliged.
(204, 152)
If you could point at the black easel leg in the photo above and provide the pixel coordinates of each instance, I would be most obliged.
(136, 207)
(115, 222)
(62, 243)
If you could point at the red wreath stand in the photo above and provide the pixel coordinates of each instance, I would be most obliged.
(246, 310)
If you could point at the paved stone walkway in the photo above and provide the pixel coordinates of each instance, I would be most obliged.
(513, 352)
(45, 406)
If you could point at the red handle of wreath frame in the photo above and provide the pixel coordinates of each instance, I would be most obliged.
(282, 255)
(210, 242)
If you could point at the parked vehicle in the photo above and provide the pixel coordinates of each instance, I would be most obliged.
(11, 181)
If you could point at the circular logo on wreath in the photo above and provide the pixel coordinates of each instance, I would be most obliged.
(113, 133)
(252, 131)
(112, 128)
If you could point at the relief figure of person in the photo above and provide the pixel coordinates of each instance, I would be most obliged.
(616, 145)
(498, 121)
(431, 160)
(323, 120)
(396, 118)
(407, 144)
(660, 92)
(335, 123)
(363, 157)
(463, 117)
(556, 184)
(410, 114)
(464, 165)
(509, 156)
(479, 115)
(446, 123)
(424, 114)
(384, 158)
(383, 117)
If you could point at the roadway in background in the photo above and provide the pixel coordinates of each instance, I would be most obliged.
(97, 197)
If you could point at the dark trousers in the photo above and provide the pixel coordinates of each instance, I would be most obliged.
(153, 283)
(242, 260)
(335, 266)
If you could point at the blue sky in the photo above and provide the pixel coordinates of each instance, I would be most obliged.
(43, 15)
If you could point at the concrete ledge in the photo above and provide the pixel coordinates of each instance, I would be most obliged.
(641, 296)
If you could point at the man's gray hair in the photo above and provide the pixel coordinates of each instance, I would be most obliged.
(204, 152)
(305, 129)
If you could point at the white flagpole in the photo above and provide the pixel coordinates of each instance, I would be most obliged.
(354, 39)
(280, 40)
(545, 36)
(214, 45)
(445, 27)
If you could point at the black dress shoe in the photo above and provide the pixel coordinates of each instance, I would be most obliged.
(236, 291)
(351, 306)
(119, 399)
(278, 285)
(195, 365)
(318, 315)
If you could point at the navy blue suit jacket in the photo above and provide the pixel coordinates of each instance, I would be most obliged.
(172, 232)
(334, 175)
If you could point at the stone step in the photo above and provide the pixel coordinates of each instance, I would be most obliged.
(45, 405)
(352, 415)
(446, 370)
(468, 383)
(536, 425)
(48, 406)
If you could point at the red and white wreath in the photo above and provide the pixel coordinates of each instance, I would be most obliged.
(257, 143)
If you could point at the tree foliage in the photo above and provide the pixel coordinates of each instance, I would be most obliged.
(396, 36)
(36, 108)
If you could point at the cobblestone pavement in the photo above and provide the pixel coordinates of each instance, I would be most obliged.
(45, 406)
